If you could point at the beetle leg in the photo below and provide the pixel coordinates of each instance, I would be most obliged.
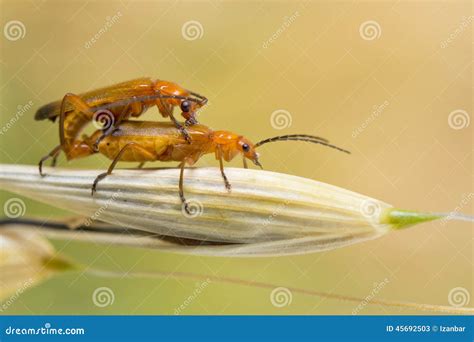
(53, 154)
(184, 203)
(221, 166)
(54, 161)
(181, 191)
(109, 130)
(142, 151)
(180, 127)
(245, 163)
(191, 121)
(164, 107)
(79, 105)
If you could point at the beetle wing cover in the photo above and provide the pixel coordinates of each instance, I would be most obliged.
(100, 97)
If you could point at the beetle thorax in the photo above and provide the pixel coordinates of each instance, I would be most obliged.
(226, 143)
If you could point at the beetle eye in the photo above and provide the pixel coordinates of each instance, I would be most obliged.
(185, 106)
(245, 147)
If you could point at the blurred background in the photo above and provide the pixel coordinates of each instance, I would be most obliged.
(389, 80)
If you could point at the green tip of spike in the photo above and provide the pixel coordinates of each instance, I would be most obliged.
(400, 219)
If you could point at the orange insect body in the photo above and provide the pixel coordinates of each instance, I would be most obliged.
(140, 141)
(163, 142)
(131, 97)
(113, 104)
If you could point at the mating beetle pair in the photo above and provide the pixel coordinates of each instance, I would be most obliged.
(140, 141)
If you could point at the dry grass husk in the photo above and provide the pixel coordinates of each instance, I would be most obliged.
(266, 213)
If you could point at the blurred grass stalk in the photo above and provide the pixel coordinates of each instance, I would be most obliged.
(27, 258)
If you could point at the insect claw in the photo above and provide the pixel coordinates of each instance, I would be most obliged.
(191, 121)
(40, 167)
(186, 208)
(94, 185)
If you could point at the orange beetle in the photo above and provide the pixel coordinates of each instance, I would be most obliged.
(111, 105)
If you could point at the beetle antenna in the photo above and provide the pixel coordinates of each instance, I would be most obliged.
(301, 137)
